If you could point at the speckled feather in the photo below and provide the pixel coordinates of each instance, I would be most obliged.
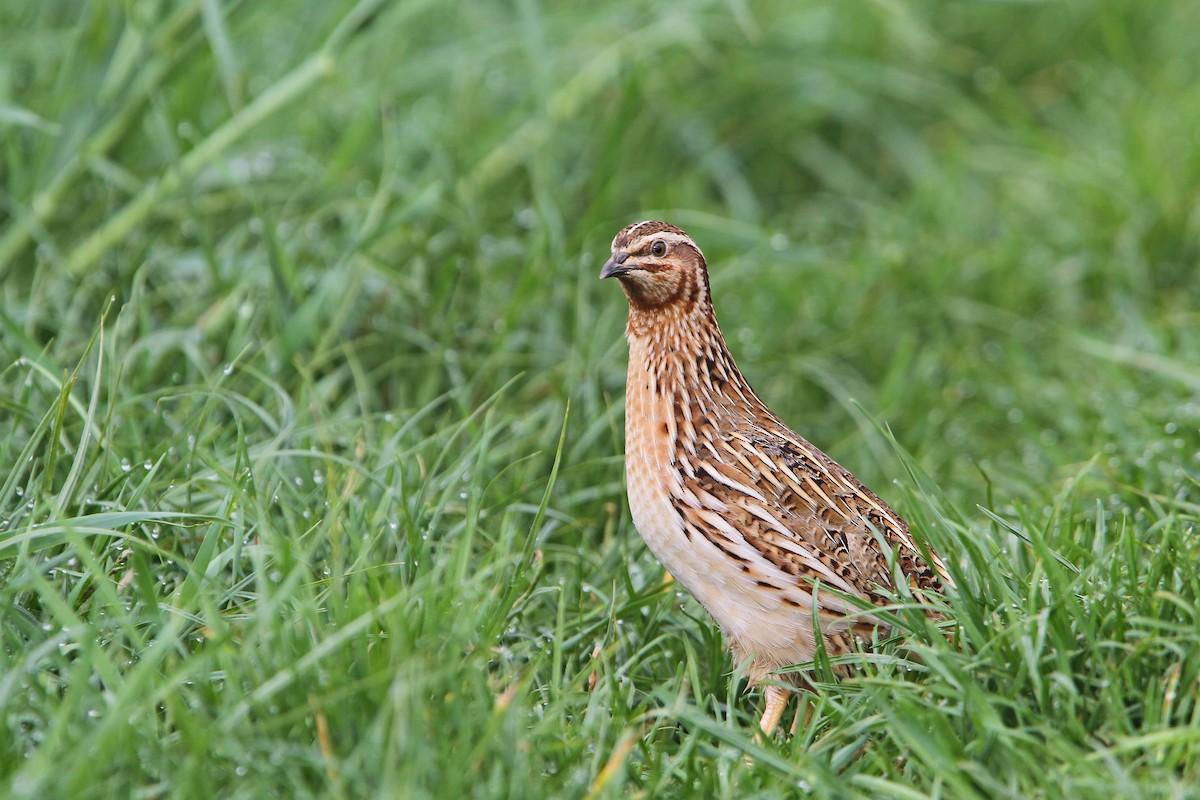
(750, 517)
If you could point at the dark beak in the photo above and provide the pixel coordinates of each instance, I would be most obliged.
(615, 266)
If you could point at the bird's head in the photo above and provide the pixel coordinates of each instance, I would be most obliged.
(659, 266)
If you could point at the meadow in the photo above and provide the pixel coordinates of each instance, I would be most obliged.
(311, 417)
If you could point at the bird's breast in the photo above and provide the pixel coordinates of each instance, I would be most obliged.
(653, 477)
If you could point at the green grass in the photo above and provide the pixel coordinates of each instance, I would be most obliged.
(296, 298)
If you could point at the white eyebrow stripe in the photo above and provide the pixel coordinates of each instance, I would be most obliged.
(664, 236)
(669, 237)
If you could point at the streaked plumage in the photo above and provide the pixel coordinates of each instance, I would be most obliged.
(741, 510)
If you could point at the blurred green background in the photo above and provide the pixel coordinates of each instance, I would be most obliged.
(296, 295)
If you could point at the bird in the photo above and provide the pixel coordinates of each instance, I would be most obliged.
(754, 521)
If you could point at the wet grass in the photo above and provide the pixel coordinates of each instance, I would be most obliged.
(310, 400)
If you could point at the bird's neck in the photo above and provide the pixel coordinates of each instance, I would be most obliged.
(680, 352)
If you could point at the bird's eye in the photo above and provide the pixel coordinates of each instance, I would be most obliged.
(658, 248)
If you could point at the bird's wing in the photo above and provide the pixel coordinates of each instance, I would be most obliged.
(853, 518)
(771, 494)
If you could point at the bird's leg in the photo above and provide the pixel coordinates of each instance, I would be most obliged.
(776, 698)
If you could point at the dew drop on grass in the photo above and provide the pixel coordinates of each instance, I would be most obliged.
(20, 491)
(147, 465)
(1170, 428)
(227, 369)
(318, 477)
(125, 465)
(527, 218)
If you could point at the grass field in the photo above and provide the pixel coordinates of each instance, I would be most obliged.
(311, 400)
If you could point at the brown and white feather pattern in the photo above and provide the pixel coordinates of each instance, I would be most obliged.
(745, 513)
